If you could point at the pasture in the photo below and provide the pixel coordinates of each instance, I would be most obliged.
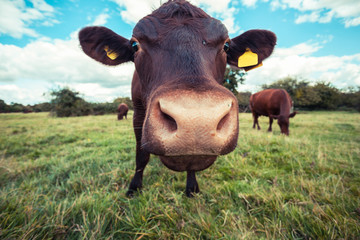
(66, 178)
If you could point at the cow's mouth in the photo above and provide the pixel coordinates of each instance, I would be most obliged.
(188, 162)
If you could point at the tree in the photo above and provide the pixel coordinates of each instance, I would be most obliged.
(125, 100)
(351, 98)
(329, 95)
(290, 84)
(243, 101)
(42, 107)
(232, 78)
(3, 106)
(306, 96)
(16, 107)
(303, 95)
(67, 103)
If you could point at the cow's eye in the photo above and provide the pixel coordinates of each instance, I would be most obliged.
(135, 46)
(226, 46)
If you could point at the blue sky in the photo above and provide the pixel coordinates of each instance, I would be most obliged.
(318, 40)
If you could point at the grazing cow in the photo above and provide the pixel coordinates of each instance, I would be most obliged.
(274, 103)
(122, 111)
(182, 113)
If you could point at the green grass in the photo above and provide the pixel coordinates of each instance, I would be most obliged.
(66, 178)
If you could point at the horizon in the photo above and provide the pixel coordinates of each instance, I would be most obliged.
(317, 41)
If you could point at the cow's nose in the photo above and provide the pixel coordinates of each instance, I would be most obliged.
(195, 117)
(193, 124)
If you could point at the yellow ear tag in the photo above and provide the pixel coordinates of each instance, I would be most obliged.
(110, 53)
(248, 59)
(257, 66)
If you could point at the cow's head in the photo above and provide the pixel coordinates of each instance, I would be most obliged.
(283, 121)
(180, 55)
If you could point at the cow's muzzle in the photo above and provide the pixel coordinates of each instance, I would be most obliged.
(185, 122)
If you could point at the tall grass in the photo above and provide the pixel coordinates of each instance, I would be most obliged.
(66, 179)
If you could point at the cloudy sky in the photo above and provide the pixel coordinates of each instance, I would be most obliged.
(318, 40)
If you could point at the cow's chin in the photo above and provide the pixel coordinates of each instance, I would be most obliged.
(188, 163)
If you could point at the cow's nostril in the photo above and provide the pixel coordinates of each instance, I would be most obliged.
(169, 122)
(225, 119)
(222, 122)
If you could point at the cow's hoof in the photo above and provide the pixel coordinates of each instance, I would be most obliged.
(191, 191)
(131, 192)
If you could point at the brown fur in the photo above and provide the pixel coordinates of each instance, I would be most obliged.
(180, 49)
(274, 103)
(122, 111)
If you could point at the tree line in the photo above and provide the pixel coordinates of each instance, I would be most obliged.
(306, 96)
(67, 103)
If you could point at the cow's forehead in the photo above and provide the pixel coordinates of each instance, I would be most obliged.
(153, 29)
(173, 16)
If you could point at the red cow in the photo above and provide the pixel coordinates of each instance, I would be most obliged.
(122, 111)
(182, 113)
(274, 103)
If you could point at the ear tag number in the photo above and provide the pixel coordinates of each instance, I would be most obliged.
(248, 59)
(110, 53)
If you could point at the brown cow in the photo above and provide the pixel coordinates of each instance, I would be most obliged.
(182, 113)
(122, 111)
(274, 103)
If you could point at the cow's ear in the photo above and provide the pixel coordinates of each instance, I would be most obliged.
(292, 114)
(249, 49)
(105, 46)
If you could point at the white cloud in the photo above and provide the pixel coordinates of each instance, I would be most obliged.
(297, 61)
(352, 22)
(213, 6)
(44, 64)
(315, 17)
(14, 93)
(132, 11)
(59, 62)
(101, 19)
(16, 17)
(220, 10)
(249, 3)
(94, 92)
(323, 11)
(299, 49)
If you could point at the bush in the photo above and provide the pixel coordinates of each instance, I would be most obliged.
(104, 108)
(125, 100)
(42, 107)
(320, 96)
(232, 78)
(67, 103)
(243, 101)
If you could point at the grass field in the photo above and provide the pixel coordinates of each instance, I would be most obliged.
(66, 178)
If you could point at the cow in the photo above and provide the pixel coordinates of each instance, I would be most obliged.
(182, 113)
(122, 111)
(274, 103)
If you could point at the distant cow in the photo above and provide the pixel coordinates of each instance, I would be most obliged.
(274, 103)
(122, 111)
(181, 110)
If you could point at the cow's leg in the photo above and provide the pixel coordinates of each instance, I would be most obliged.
(254, 117)
(191, 184)
(256, 121)
(270, 124)
(142, 156)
